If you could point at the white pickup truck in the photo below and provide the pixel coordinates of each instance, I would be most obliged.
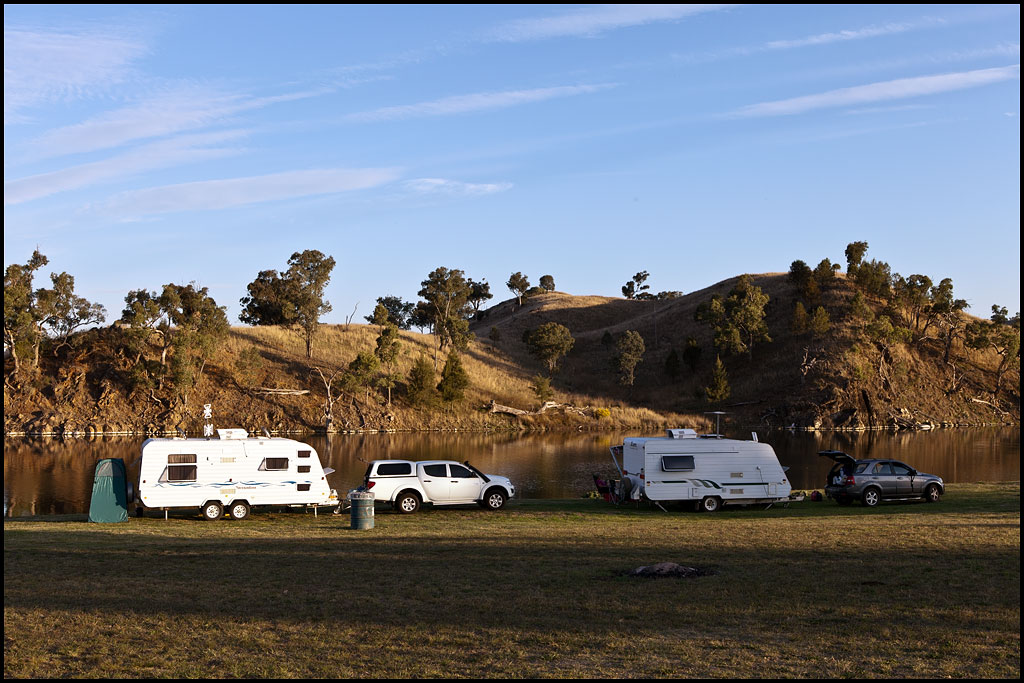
(407, 484)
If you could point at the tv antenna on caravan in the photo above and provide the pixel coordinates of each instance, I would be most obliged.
(718, 422)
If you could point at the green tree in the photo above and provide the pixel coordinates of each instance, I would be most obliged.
(398, 312)
(946, 313)
(607, 339)
(738, 322)
(547, 283)
(860, 311)
(800, 274)
(854, 255)
(21, 329)
(718, 389)
(691, 353)
(421, 385)
(361, 373)
(550, 343)
(800, 321)
(495, 335)
(249, 366)
(820, 322)
(825, 272)
(479, 292)
(183, 326)
(518, 284)
(294, 298)
(630, 352)
(911, 296)
(1002, 335)
(454, 379)
(388, 344)
(62, 312)
(634, 288)
(446, 293)
(541, 386)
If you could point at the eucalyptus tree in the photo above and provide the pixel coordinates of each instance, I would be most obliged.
(294, 298)
(518, 284)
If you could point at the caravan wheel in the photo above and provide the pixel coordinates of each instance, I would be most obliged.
(213, 511)
(239, 510)
(710, 504)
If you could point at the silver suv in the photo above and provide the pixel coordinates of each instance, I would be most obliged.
(872, 481)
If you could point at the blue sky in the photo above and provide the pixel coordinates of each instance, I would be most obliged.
(153, 144)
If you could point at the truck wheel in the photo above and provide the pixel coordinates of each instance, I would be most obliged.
(871, 497)
(213, 511)
(932, 493)
(407, 503)
(710, 504)
(494, 499)
(239, 510)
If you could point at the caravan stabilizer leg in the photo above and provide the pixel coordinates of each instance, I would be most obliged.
(659, 505)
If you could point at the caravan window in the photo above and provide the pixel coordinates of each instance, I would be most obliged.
(304, 454)
(677, 463)
(274, 464)
(181, 473)
(181, 458)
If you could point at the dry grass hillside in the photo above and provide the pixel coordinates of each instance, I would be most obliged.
(852, 383)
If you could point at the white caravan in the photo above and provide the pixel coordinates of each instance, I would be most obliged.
(706, 469)
(232, 472)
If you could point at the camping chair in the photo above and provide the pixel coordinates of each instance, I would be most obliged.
(603, 489)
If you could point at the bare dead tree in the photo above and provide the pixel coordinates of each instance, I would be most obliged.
(807, 364)
(348, 320)
(330, 398)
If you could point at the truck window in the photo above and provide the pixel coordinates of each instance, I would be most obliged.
(460, 472)
(181, 472)
(181, 458)
(435, 470)
(391, 469)
(274, 464)
(677, 463)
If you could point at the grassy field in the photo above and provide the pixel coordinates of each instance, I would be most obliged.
(536, 590)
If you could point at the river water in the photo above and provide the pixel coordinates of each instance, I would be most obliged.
(53, 476)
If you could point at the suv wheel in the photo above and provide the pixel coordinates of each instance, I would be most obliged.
(494, 499)
(871, 497)
(932, 493)
(407, 503)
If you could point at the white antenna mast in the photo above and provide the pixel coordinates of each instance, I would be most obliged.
(718, 421)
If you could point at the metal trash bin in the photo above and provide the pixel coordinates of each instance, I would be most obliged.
(361, 509)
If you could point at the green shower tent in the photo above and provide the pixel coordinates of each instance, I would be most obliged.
(110, 492)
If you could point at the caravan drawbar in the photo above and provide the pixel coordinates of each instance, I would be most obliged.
(708, 470)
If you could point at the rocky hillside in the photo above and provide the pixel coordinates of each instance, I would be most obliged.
(838, 379)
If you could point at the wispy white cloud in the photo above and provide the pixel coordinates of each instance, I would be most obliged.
(593, 21)
(454, 187)
(843, 35)
(184, 149)
(878, 92)
(47, 66)
(461, 104)
(852, 34)
(173, 112)
(209, 195)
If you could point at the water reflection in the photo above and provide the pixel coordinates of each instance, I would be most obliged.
(50, 476)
